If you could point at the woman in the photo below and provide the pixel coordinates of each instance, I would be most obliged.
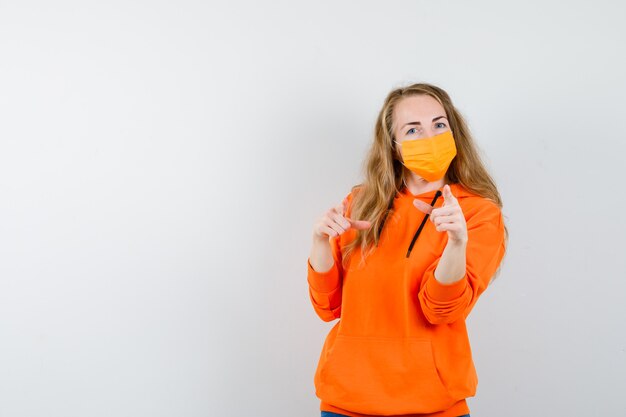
(403, 278)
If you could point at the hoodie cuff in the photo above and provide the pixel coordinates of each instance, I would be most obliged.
(323, 282)
(446, 292)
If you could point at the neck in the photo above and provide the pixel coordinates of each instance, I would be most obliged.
(418, 185)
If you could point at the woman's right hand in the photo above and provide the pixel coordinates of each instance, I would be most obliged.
(333, 223)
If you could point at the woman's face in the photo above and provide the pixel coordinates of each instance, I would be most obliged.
(418, 117)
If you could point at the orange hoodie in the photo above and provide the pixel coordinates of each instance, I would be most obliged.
(401, 346)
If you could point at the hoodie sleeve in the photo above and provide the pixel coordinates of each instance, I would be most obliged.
(325, 288)
(446, 303)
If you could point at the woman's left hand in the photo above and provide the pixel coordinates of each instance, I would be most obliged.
(449, 217)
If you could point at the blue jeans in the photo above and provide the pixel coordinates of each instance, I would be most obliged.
(329, 414)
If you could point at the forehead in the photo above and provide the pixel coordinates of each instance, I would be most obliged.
(417, 108)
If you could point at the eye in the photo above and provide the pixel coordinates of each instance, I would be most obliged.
(441, 123)
(409, 131)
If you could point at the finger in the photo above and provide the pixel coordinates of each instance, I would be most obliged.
(360, 224)
(447, 195)
(445, 219)
(336, 227)
(445, 211)
(340, 208)
(447, 227)
(345, 204)
(339, 219)
(330, 232)
(442, 211)
(422, 206)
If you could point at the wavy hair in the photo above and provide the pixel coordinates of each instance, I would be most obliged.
(385, 173)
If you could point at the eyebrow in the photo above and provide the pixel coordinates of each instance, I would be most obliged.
(418, 123)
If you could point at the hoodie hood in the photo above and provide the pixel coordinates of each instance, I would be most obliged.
(457, 190)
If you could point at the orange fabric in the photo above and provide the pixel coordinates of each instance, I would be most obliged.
(401, 345)
(429, 157)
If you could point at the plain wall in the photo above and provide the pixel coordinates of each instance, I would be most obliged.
(162, 165)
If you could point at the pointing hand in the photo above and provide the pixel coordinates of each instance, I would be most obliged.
(449, 217)
(334, 222)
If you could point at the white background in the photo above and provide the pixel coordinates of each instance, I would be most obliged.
(162, 165)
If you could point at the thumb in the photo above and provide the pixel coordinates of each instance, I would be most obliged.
(422, 206)
(341, 208)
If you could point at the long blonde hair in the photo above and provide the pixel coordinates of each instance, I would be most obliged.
(385, 173)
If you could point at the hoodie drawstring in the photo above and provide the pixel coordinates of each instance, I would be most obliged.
(432, 204)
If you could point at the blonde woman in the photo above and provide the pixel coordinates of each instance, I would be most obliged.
(401, 261)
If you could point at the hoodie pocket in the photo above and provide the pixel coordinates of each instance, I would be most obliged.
(382, 375)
